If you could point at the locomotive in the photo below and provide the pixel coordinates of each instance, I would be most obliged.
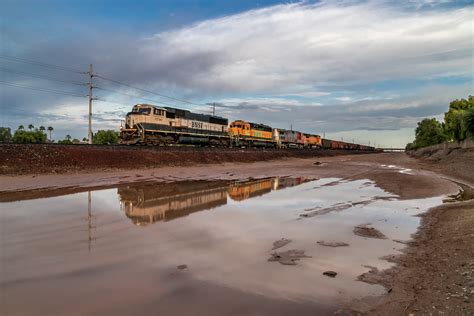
(149, 124)
(151, 203)
(153, 125)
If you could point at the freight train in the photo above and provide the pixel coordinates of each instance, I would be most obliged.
(151, 203)
(148, 124)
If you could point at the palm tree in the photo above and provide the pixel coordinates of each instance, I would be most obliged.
(21, 127)
(68, 137)
(31, 126)
(42, 128)
(50, 130)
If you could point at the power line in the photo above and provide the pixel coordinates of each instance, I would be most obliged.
(135, 96)
(38, 63)
(148, 91)
(41, 77)
(109, 101)
(41, 89)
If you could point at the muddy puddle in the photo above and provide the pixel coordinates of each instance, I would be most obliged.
(274, 246)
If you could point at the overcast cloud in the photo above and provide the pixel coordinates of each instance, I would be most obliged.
(327, 67)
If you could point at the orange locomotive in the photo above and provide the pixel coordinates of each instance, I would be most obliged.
(312, 141)
(243, 133)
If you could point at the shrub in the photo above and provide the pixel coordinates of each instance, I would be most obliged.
(5, 135)
(108, 137)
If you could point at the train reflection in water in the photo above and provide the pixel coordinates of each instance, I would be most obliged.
(149, 203)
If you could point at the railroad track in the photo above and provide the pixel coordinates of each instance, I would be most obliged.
(172, 148)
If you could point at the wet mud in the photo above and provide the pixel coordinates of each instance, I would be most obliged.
(330, 274)
(333, 244)
(281, 243)
(368, 232)
(289, 257)
(466, 193)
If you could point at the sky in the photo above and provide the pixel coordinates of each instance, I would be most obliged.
(362, 71)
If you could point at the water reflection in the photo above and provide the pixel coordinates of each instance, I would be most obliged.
(226, 250)
(149, 203)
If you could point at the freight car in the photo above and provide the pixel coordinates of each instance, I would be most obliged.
(149, 124)
(247, 134)
(336, 144)
(333, 144)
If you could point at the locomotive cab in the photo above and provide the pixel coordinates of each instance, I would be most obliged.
(238, 128)
(144, 113)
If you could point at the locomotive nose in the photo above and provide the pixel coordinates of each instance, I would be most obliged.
(128, 123)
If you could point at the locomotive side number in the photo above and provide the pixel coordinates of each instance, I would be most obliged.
(196, 124)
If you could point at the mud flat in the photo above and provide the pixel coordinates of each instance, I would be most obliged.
(163, 236)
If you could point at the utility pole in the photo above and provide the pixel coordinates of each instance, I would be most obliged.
(214, 108)
(91, 75)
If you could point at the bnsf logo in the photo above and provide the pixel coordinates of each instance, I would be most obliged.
(196, 124)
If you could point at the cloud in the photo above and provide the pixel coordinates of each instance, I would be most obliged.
(273, 49)
(275, 65)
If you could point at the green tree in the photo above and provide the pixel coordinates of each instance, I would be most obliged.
(66, 140)
(409, 146)
(454, 120)
(428, 132)
(105, 137)
(21, 127)
(31, 126)
(29, 137)
(42, 128)
(5, 134)
(50, 130)
(469, 121)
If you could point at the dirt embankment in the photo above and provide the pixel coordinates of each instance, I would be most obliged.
(50, 158)
(435, 275)
(453, 162)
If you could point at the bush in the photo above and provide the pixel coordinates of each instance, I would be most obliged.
(455, 121)
(410, 146)
(469, 122)
(5, 135)
(29, 137)
(429, 132)
(108, 137)
(66, 140)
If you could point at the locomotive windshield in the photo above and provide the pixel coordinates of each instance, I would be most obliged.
(141, 110)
